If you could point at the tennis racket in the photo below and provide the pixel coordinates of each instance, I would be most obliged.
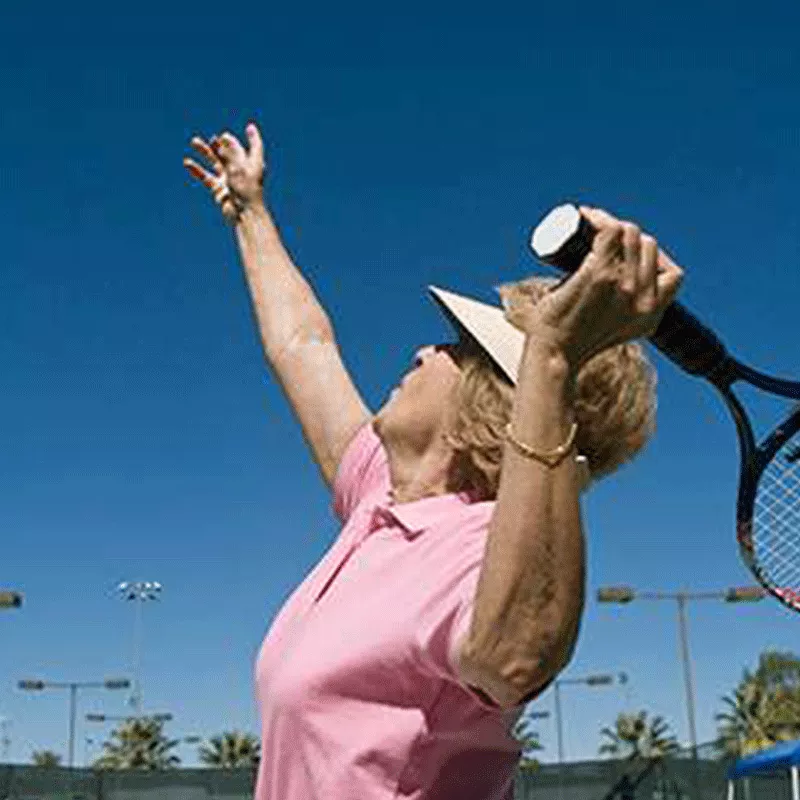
(768, 498)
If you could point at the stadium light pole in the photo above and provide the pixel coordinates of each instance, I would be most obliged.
(529, 716)
(533, 715)
(88, 743)
(10, 599)
(736, 594)
(139, 592)
(73, 686)
(5, 738)
(592, 681)
(537, 715)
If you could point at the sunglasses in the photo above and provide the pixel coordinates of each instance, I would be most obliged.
(459, 350)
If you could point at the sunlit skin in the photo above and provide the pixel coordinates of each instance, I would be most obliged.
(413, 421)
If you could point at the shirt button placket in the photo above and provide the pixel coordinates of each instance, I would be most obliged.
(379, 519)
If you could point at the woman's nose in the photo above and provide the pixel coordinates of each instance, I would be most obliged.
(424, 352)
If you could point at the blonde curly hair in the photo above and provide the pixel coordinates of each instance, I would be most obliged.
(615, 405)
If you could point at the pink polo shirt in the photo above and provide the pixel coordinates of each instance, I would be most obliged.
(357, 689)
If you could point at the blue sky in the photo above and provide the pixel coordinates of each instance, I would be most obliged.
(142, 436)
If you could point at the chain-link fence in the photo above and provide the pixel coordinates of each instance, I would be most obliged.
(56, 783)
(669, 779)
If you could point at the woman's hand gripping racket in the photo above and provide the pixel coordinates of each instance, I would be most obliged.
(768, 502)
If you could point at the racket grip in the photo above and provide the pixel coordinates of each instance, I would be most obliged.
(564, 238)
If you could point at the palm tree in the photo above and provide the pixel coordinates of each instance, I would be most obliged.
(45, 758)
(633, 736)
(139, 743)
(230, 750)
(764, 708)
(779, 670)
(744, 728)
(529, 739)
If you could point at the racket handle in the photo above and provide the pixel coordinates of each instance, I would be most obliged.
(564, 238)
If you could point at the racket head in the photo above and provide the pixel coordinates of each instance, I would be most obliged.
(768, 512)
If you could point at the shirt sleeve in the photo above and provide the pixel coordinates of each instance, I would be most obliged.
(460, 628)
(363, 469)
(448, 616)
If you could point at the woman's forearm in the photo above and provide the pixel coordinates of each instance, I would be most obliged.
(285, 305)
(530, 592)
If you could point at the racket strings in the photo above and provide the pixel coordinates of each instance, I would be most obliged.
(776, 524)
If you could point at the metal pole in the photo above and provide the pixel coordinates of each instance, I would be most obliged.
(5, 741)
(559, 728)
(136, 698)
(681, 598)
(687, 669)
(73, 693)
(560, 734)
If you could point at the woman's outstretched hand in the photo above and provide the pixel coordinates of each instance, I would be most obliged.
(236, 179)
(619, 293)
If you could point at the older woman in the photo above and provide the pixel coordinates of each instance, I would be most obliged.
(454, 591)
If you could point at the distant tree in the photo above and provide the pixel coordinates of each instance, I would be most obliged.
(764, 708)
(230, 750)
(635, 737)
(45, 758)
(529, 739)
(138, 743)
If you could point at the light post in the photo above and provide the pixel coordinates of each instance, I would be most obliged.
(537, 715)
(532, 715)
(592, 681)
(736, 594)
(10, 599)
(89, 743)
(139, 592)
(5, 738)
(73, 686)
(529, 716)
(190, 739)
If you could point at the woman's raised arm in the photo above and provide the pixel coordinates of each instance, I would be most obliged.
(296, 332)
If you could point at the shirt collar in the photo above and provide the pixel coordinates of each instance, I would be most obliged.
(415, 518)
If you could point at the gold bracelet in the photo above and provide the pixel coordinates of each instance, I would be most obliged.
(552, 458)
